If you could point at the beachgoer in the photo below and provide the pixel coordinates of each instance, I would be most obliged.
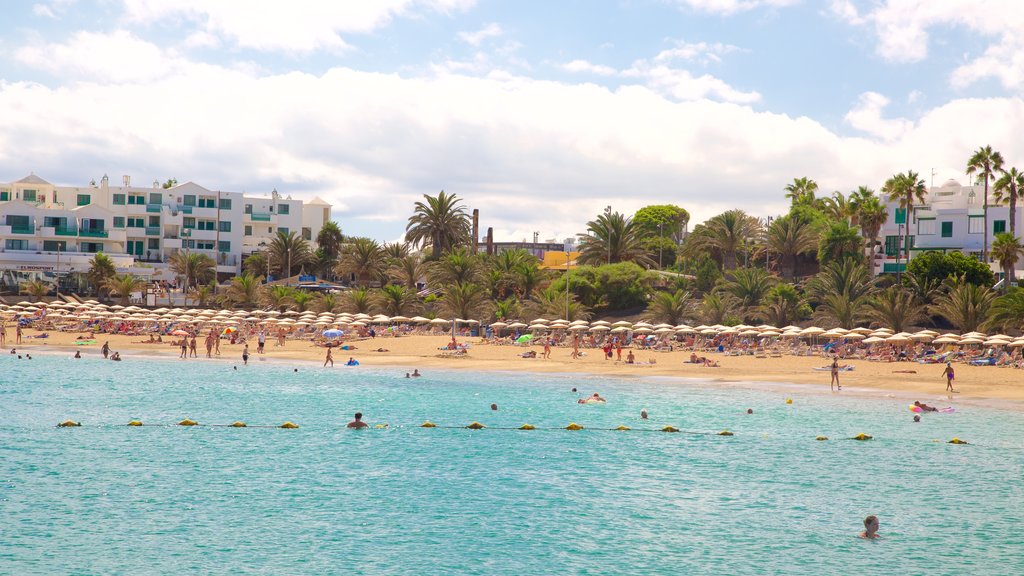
(407, 375)
(643, 414)
(184, 347)
(209, 343)
(948, 373)
(416, 373)
(192, 346)
(630, 358)
(835, 374)
(261, 341)
(116, 357)
(78, 353)
(105, 349)
(216, 345)
(618, 351)
(573, 389)
(358, 422)
(925, 407)
(917, 417)
(17, 332)
(3, 334)
(494, 407)
(245, 355)
(870, 528)
(329, 358)
(547, 348)
(750, 410)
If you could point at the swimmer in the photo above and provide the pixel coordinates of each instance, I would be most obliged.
(573, 389)
(643, 414)
(295, 370)
(750, 410)
(358, 422)
(870, 528)
(917, 417)
(407, 375)
(78, 353)
(925, 407)
(494, 407)
(416, 373)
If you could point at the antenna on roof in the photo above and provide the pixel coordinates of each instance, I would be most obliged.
(934, 172)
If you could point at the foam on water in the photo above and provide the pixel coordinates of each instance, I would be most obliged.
(107, 498)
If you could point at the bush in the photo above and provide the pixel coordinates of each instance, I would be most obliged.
(938, 266)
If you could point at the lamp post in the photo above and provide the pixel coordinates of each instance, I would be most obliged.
(899, 251)
(608, 231)
(767, 246)
(567, 282)
(661, 246)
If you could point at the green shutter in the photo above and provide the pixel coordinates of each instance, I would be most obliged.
(190, 200)
(998, 226)
(947, 229)
(225, 204)
(119, 199)
(84, 199)
(118, 221)
(901, 216)
(225, 246)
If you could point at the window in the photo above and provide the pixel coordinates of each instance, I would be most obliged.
(207, 202)
(84, 199)
(154, 220)
(119, 199)
(976, 225)
(55, 222)
(947, 229)
(307, 234)
(206, 225)
(998, 226)
(28, 195)
(248, 230)
(225, 203)
(55, 246)
(90, 247)
(19, 224)
(189, 223)
(892, 244)
(136, 199)
(190, 200)
(200, 245)
(283, 209)
(134, 247)
(224, 226)
(283, 230)
(926, 227)
(16, 244)
(118, 221)
(136, 223)
(5, 195)
(156, 198)
(224, 246)
(248, 209)
(154, 244)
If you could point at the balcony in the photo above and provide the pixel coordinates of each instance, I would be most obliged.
(152, 230)
(92, 233)
(30, 229)
(154, 208)
(185, 209)
(170, 243)
(65, 231)
(260, 216)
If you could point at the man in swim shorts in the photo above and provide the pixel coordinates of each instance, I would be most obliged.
(358, 422)
(948, 373)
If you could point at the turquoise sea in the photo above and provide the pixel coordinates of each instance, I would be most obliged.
(110, 499)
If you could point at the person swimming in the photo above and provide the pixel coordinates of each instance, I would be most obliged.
(358, 422)
(595, 398)
(643, 414)
(870, 528)
(494, 407)
(925, 407)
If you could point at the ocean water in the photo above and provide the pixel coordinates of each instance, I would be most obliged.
(110, 499)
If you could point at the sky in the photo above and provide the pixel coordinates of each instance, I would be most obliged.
(538, 113)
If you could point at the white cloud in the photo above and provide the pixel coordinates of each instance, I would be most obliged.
(476, 38)
(115, 57)
(867, 117)
(583, 66)
(728, 7)
(43, 10)
(298, 26)
(701, 52)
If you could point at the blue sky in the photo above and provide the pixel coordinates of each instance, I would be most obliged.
(538, 113)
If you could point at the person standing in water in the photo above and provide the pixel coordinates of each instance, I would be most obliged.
(245, 355)
(105, 350)
(870, 528)
(835, 374)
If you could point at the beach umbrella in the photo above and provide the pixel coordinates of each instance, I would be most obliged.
(619, 330)
(439, 321)
(578, 323)
(622, 324)
(180, 332)
(685, 330)
(897, 339)
(880, 334)
(922, 337)
(524, 338)
(967, 341)
(333, 333)
(642, 330)
(399, 319)
(358, 323)
(642, 325)
(578, 328)
(750, 333)
(873, 340)
(538, 327)
(600, 323)
(498, 325)
(599, 328)
(420, 319)
(539, 321)
(516, 325)
(853, 336)
(770, 333)
(812, 331)
(947, 339)
(709, 332)
(996, 342)
(1016, 344)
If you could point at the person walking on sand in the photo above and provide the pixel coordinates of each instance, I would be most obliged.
(17, 333)
(329, 358)
(209, 343)
(3, 334)
(245, 355)
(835, 374)
(547, 348)
(948, 373)
(192, 346)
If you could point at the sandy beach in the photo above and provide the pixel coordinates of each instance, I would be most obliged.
(973, 383)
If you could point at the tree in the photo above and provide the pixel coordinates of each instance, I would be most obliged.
(871, 216)
(938, 267)
(170, 183)
(1008, 189)
(553, 302)
(505, 310)
(37, 289)
(398, 300)
(896, 308)
(101, 269)
(288, 253)
(839, 241)
(396, 250)
(801, 191)
(123, 285)
(327, 302)
(512, 272)
(278, 297)
(966, 306)
(194, 267)
(407, 271)
(302, 300)
(782, 305)
(330, 239)
(906, 189)
(670, 307)
(364, 259)
(787, 239)
(455, 267)
(244, 290)
(613, 238)
(661, 231)
(463, 300)
(1006, 249)
(841, 291)
(439, 223)
(255, 264)
(748, 286)
(985, 162)
(202, 295)
(716, 308)
(1007, 312)
(359, 301)
(924, 288)
(724, 235)
(837, 207)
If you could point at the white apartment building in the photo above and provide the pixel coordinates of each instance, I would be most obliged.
(52, 229)
(951, 218)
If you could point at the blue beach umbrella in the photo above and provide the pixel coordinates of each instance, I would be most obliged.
(334, 333)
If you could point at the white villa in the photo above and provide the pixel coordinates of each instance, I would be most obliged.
(52, 229)
(951, 218)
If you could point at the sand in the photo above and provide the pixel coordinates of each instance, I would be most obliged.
(985, 384)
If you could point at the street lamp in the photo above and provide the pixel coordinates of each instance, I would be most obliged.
(899, 251)
(767, 246)
(661, 243)
(566, 246)
(608, 231)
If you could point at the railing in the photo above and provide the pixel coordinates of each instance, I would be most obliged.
(185, 209)
(154, 207)
(88, 233)
(152, 230)
(30, 229)
(65, 231)
(260, 216)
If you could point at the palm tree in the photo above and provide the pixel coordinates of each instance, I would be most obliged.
(364, 259)
(278, 297)
(194, 267)
(966, 306)
(896, 308)
(840, 240)
(506, 309)
(359, 301)
(801, 191)
(782, 305)
(788, 238)
(408, 270)
(244, 290)
(101, 269)
(463, 300)
(1007, 312)
(613, 238)
(455, 267)
(552, 302)
(715, 307)
(1006, 249)
(397, 300)
(255, 264)
(670, 307)
(302, 300)
(37, 289)
(1009, 188)
(923, 287)
(123, 285)
(396, 250)
(985, 162)
(748, 286)
(288, 253)
(526, 277)
(724, 234)
(837, 207)
(439, 223)
(329, 239)
(907, 189)
(327, 302)
(202, 295)
(841, 290)
(871, 216)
